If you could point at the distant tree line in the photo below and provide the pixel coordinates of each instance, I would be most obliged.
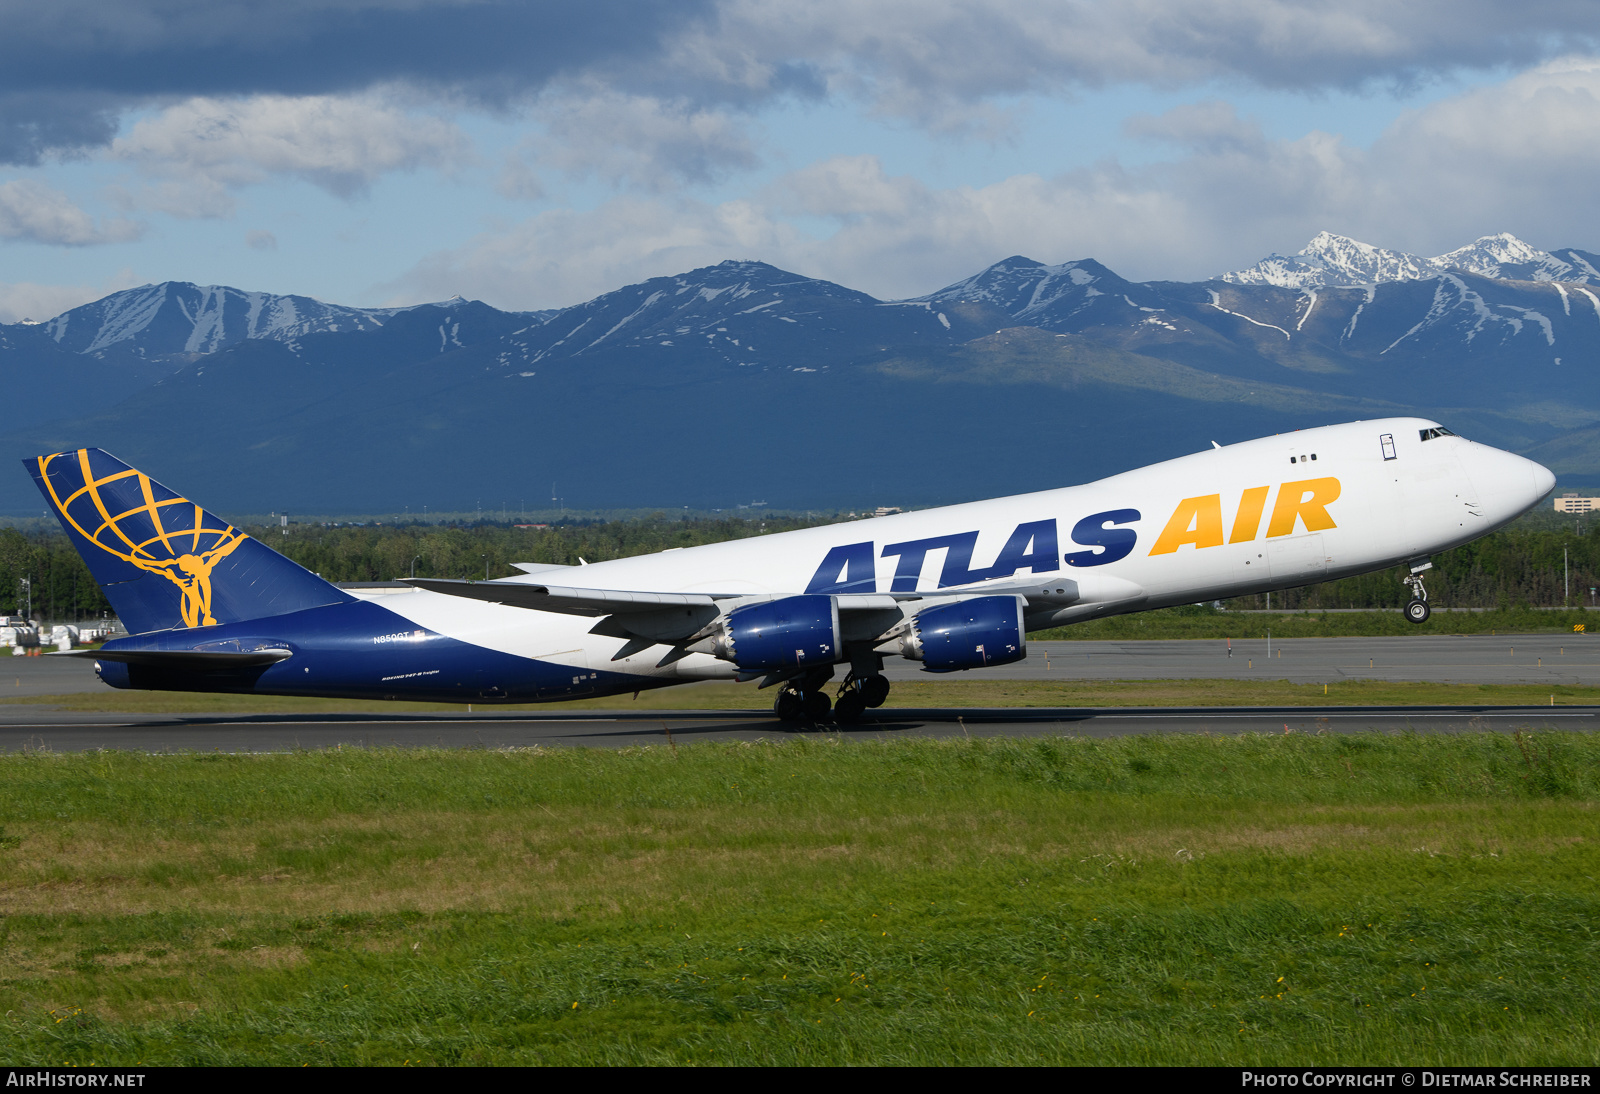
(1513, 567)
(63, 591)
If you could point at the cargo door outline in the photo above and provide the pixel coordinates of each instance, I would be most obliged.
(575, 677)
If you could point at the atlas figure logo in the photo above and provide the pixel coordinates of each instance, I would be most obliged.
(170, 536)
(1197, 522)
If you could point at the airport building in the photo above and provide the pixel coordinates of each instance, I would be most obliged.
(1570, 502)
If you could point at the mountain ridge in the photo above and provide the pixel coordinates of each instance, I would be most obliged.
(179, 320)
(1335, 261)
(742, 380)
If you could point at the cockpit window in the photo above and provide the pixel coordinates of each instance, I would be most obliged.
(1436, 431)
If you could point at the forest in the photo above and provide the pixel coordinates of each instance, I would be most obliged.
(1518, 566)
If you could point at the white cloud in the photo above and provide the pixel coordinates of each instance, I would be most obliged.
(563, 257)
(1208, 126)
(26, 300)
(1519, 154)
(518, 181)
(931, 60)
(1515, 157)
(260, 240)
(32, 212)
(202, 149)
(639, 141)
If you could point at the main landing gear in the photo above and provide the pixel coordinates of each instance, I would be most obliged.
(803, 700)
(856, 694)
(1417, 609)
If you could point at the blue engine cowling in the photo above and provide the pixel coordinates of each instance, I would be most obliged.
(795, 632)
(972, 634)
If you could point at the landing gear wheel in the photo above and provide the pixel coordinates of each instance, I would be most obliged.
(874, 690)
(849, 709)
(787, 706)
(816, 705)
(1417, 609)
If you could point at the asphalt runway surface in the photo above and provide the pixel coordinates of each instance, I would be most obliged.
(1475, 659)
(1448, 659)
(1521, 659)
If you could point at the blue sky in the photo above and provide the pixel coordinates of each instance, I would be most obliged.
(535, 154)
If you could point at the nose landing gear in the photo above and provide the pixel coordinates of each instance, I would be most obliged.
(1417, 609)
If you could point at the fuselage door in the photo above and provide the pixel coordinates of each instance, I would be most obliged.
(1386, 442)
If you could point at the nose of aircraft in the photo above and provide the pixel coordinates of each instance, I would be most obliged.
(1507, 484)
(1544, 480)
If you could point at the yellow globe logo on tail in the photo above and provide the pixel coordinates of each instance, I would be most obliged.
(182, 542)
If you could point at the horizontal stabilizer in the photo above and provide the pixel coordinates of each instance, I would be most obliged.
(184, 660)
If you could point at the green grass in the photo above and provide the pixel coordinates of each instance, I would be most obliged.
(1186, 899)
(912, 694)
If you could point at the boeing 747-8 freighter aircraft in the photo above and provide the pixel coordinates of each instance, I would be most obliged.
(210, 609)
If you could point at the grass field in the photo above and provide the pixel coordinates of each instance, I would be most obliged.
(914, 694)
(1182, 899)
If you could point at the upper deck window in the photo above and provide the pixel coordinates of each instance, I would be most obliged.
(1436, 431)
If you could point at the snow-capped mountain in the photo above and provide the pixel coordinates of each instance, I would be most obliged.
(178, 319)
(1018, 285)
(742, 379)
(745, 314)
(1064, 298)
(1507, 258)
(1335, 261)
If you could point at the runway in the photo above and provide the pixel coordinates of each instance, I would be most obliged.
(1484, 659)
(1477, 659)
(24, 728)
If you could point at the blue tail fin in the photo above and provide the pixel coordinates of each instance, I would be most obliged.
(163, 561)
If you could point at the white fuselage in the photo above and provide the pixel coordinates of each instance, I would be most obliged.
(1252, 517)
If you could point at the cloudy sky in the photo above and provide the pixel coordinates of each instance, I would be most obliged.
(535, 154)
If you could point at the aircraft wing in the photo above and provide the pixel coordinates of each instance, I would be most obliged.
(669, 614)
(677, 619)
(597, 602)
(566, 601)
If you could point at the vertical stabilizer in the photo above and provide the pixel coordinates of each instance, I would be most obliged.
(163, 561)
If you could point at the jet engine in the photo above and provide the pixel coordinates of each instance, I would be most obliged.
(794, 632)
(970, 634)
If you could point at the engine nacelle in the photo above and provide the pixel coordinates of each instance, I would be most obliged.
(795, 632)
(971, 634)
